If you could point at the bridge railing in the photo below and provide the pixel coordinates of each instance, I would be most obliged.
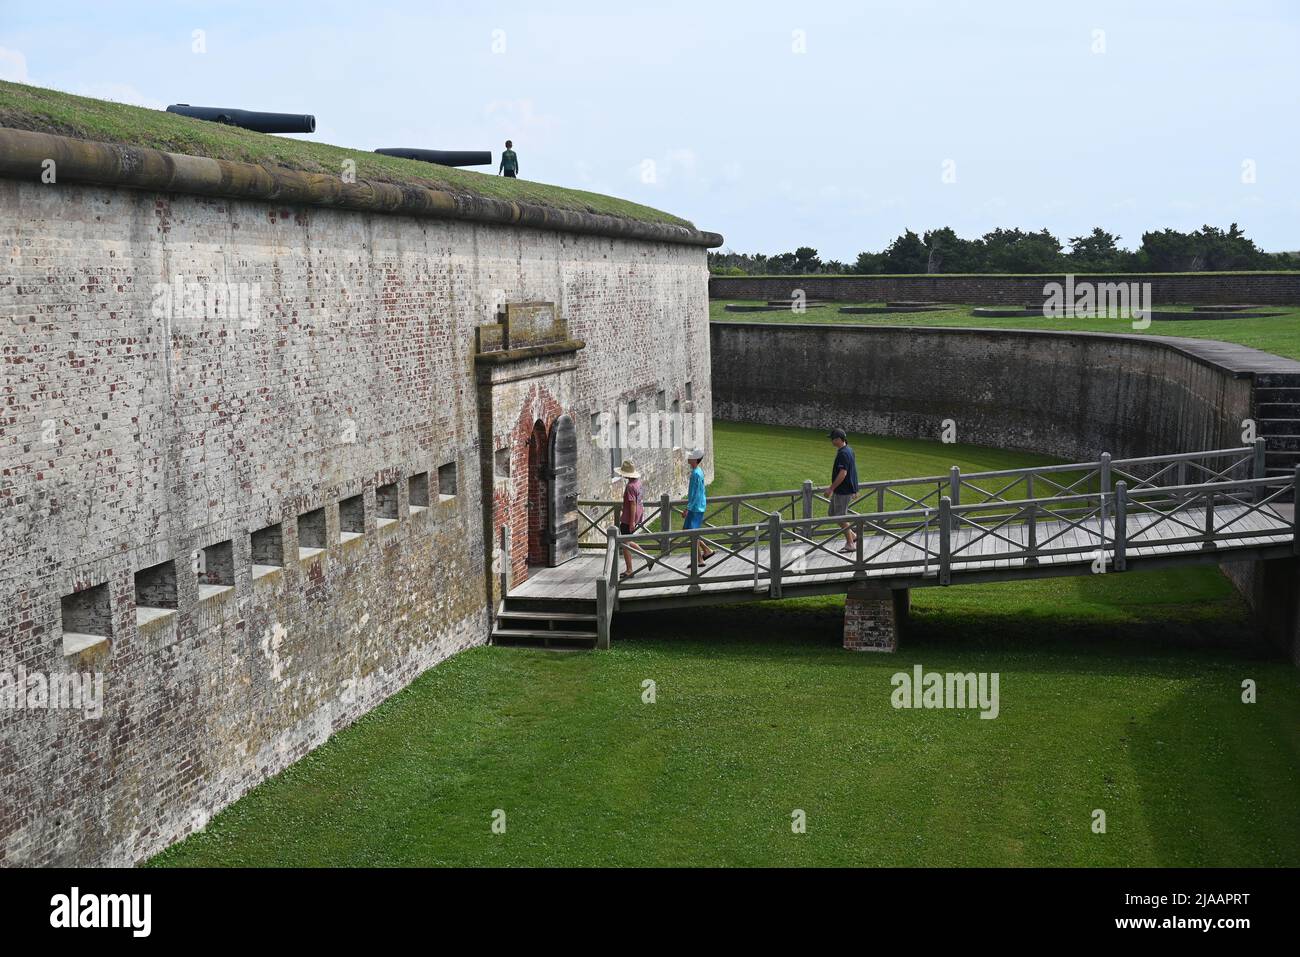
(1097, 526)
(1199, 514)
(1039, 482)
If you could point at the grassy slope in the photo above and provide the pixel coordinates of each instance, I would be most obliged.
(49, 111)
(1279, 334)
(760, 712)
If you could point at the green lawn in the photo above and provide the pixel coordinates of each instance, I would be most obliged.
(1118, 692)
(49, 111)
(1276, 334)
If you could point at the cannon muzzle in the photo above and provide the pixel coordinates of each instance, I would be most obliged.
(248, 119)
(442, 157)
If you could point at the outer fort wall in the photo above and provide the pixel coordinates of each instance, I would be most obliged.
(257, 524)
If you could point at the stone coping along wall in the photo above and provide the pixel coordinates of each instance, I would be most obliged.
(25, 155)
(1270, 288)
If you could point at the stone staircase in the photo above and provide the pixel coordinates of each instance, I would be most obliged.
(546, 623)
(1277, 413)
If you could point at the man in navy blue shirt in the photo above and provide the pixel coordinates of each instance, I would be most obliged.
(844, 485)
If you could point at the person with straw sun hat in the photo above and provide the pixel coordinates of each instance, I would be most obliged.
(632, 514)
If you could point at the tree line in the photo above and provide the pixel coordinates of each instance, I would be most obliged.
(1207, 249)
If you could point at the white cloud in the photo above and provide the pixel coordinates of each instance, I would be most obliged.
(680, 166)
(13, 66)
(118, 93)
(992, 206)
(519, 121)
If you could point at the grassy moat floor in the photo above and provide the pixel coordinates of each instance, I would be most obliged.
(1118, 692)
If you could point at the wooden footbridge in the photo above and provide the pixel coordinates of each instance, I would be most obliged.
(1107, 516)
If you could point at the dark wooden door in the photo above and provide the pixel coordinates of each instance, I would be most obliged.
(563, 489)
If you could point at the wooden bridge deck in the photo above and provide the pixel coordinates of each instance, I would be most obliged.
(975, 557)
(1111, 515)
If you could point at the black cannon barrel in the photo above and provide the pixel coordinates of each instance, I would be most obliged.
(249, 119)
(442, 157)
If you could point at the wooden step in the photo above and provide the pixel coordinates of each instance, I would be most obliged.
(575, 605)
(548, 639)
(1271, 427)
(1278, 410)
(1274, 380)
(530, 615)
(541, 633)
(508, 623)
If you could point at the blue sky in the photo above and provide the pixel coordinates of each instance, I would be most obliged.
(777, 124)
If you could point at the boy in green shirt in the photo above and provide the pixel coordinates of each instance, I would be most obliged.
(509, 162)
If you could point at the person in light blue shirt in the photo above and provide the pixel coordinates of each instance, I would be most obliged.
(696, 503)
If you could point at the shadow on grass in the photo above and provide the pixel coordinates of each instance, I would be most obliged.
(1181, 634)
(1215, 777)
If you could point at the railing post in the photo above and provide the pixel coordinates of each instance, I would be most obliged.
(611, 554)
(1209, 520)
(954, 485)
(1257, 470)
(607, 590)
(665, 523)
(1295, 511)
(602, 613)
(880, 499)
(1032, 557)
(1121, 526)
(1105, 473)
(507, 563)
(807, 498)
(945, 540)
(774, 554)
(758, 534)
(693, 543)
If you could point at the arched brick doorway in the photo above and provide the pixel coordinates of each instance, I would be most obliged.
(538, 465)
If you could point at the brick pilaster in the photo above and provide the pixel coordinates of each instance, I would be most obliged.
(872, 616)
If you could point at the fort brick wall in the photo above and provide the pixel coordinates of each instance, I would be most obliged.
(1074, 396)
(302, 484)
(1263, 288)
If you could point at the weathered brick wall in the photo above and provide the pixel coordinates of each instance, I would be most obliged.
(1074, 396)
(1166, 288)
(129, 439)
